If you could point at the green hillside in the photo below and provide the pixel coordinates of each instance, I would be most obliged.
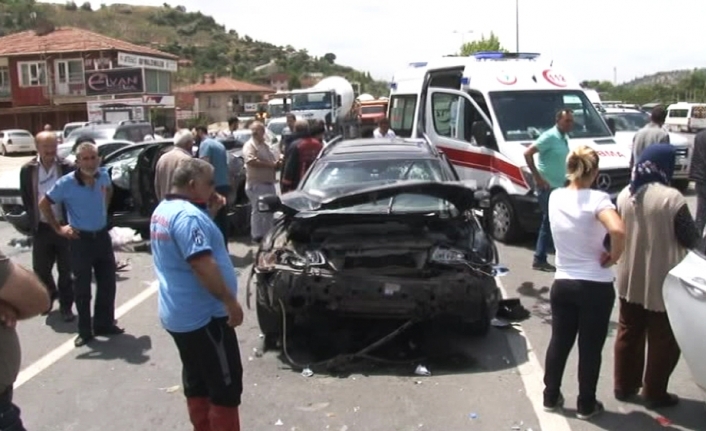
(190, 35)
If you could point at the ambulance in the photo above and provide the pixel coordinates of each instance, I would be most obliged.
(484, 110)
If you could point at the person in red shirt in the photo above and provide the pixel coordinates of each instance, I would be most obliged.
(301, 154)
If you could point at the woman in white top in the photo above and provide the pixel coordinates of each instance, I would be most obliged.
(582, 295)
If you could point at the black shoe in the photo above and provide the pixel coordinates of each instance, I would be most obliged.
(256, 240)
(554, 405)
(585, 413)
(110, 330)
(67, 315)
(670, 400)
(543, 266)
(82, 340)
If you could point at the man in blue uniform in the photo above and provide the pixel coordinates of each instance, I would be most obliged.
(197, 296)
(85, 195)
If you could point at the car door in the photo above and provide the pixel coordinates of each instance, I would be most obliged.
(115, 163)
(143, 178)
(451, 118)
(684, 294)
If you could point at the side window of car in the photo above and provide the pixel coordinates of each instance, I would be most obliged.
(121, 134)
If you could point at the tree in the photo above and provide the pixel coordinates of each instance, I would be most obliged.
(70, 5)
(87, 6)
(492, 43)
(294, 83)
(330, 57)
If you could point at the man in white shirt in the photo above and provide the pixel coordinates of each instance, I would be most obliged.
(167, 163)
(383, 130)
(37, 177)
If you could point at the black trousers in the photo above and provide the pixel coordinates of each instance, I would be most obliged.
(9, 413)
(211, 365)
(93, 253)
(579, 308)
(48, 248)
(221, 218)
(700, 206)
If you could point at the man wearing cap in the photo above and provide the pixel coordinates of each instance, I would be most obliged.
(86, 194)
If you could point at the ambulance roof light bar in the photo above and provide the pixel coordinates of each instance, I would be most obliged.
(497, 55)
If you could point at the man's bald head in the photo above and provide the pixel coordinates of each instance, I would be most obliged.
(46, 145)
(47, 128)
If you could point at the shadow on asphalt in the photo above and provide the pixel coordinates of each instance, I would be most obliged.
(243, 261)
(126, 347)
(689, 414)
(441, 350)
(57, 324)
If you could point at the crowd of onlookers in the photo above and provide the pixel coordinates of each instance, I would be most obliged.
(644, 234)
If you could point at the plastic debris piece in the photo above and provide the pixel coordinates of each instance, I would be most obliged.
(344, 428)
(313, 407)
(500, 323)
(257, 352)
(422, 371)
(279, 422)
(306, 372)
(171, 389)
(355, 409)
(418, 382)
(330, 415)
(663, 421)
(473, 416)
(261, 336)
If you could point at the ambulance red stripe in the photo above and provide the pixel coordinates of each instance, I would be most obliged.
(485, 162)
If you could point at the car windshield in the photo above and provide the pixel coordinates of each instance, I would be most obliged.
(342, 177)
(377, 109)
(275, 110)
(524, 115)
(20, 134)
(311, 101)
(629, 121)
(276, 128)
(95, 134)
(69, 129)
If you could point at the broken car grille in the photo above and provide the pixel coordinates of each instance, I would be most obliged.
(377, 262)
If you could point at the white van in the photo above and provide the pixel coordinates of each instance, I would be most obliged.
(484, 110)
(686, 117)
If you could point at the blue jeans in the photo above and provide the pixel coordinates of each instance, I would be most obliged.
(9, 413)
(545, 242)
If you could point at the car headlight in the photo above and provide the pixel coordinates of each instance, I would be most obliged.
(310, 258)
(448, 256)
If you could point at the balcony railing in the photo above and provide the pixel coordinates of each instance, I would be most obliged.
(76, 89)
(5, 92)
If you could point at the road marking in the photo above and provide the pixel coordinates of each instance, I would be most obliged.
(532, 375)
(55, 355)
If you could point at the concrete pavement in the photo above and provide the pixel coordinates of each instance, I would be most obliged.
(133, 381)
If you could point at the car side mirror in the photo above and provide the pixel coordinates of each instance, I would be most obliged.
(482, 197)
(269, 204)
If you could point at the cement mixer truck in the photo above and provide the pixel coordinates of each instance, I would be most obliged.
(331, 100)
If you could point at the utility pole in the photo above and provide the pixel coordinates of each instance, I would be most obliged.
(615, 75)
(517, 26)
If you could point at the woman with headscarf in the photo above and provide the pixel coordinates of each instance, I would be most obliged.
(659, 229)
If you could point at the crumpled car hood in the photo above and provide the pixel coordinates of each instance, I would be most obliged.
(461, 196)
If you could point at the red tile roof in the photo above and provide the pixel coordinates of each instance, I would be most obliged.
(69, 39)
(224, 85)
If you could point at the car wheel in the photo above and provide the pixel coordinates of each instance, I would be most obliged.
(504, 225)
(681, 185)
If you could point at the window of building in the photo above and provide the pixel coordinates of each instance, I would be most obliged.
(212, 102)
(158, 82)
(4, 77)
(32, 74)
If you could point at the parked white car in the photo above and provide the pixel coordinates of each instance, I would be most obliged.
(684, 294)
(14, 141)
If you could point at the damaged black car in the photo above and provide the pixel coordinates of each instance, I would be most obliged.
(377, 235)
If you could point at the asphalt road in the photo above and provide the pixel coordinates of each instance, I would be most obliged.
(133, 381)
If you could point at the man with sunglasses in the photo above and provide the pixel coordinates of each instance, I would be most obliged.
(86, 194)
(549, 173)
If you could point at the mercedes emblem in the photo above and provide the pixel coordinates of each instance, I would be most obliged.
(603, 181)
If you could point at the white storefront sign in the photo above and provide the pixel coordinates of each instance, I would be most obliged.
(95, 113)
(133, 60)
(166, 102)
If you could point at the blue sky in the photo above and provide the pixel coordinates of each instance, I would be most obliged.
(637, 37)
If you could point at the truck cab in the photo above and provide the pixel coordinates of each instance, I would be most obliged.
(484, 110)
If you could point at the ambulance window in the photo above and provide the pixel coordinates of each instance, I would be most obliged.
(402, 109)
(678, 113)
(453, 116)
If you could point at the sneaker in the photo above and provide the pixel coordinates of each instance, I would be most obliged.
(543, 266)
(554, 406)
(585, 414)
